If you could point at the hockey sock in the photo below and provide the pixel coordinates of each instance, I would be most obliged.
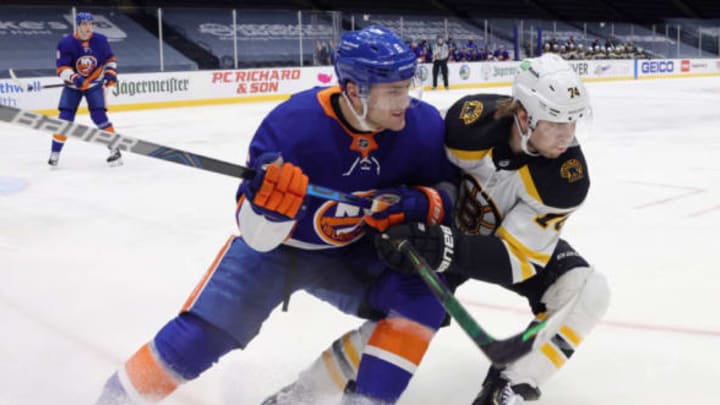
(58, 142)
(390, 358)
(185, 347)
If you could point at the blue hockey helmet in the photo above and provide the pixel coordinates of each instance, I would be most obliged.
(373, 55)
(83, 17)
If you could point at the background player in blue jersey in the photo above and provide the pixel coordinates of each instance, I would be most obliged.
(365, 136)
(524, 174)
(87, 65)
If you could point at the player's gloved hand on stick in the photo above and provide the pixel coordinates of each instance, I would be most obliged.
(278, 189)
(398, 205)
(435, 243)
(110, 77)
(78, 80)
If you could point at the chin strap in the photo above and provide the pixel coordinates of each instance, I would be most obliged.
(524, 137)
(361, 118)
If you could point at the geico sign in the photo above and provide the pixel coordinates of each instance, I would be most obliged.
(657, 66)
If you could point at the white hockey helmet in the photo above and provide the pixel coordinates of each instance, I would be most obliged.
(550, 90)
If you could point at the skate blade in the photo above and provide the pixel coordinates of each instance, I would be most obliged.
(115, 163)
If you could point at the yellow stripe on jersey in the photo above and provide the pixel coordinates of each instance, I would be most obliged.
(529, 183)
(523, 253)
(469, 154)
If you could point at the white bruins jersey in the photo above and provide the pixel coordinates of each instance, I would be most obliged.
(512, 206)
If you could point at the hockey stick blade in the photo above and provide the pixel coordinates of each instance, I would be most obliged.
(500, 352)
(30, 87)
(89, 134)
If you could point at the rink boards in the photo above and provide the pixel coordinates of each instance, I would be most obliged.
(191, 88)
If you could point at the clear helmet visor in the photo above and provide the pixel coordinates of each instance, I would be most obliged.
(564, 133)
(394, 96)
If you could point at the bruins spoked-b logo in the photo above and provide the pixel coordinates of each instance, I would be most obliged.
(572, 170)
(471, 111)
(477, 214)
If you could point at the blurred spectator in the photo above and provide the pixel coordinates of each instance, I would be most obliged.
(322, 53)
(501, 54)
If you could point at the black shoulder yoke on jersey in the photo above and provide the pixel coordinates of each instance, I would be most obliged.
(470, 123)
(562, 182)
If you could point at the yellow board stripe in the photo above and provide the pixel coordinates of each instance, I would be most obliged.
(529, 183)
(469, 154)
(333, 370)
(180, 103)
(350, 351)
(553, 354)
(570, 334)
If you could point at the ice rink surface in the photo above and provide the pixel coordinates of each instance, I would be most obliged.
(94, 260)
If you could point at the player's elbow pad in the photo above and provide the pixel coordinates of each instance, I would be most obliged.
(259, 232)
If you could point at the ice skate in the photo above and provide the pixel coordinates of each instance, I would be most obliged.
(496, 390)
(54, 158)
(115, 158)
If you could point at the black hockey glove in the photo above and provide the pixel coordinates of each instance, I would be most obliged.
(435, 243)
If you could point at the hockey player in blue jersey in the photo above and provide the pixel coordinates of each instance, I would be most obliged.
(365, 136)
(86, 64)
(524, 174)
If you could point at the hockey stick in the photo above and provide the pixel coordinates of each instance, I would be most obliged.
(30, 87)
(500, 352)
(86, 133)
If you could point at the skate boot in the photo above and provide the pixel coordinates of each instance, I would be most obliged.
(293, 394)
(115, 158)
(54, 158)
(496, 390)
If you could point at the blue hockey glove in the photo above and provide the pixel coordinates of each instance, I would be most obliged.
(435, 243)
(405, 204)
(78, 80)
(278, 189)
(110, 77)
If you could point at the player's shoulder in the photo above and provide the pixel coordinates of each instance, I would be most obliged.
(423, 115)
(301, 102)
(471, 125)
(562, 182)
(100, 37)
(301, 110)
(424, 126)
(66, 41)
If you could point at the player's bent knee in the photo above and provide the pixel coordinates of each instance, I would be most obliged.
(67, 115)
(99, 117)
(189, 345)
(586, 290)
(595, 299)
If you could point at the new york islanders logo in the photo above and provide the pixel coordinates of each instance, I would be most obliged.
(339, 224)
(85, 65)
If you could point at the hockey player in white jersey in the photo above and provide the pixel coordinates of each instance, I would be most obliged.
(524, 174)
